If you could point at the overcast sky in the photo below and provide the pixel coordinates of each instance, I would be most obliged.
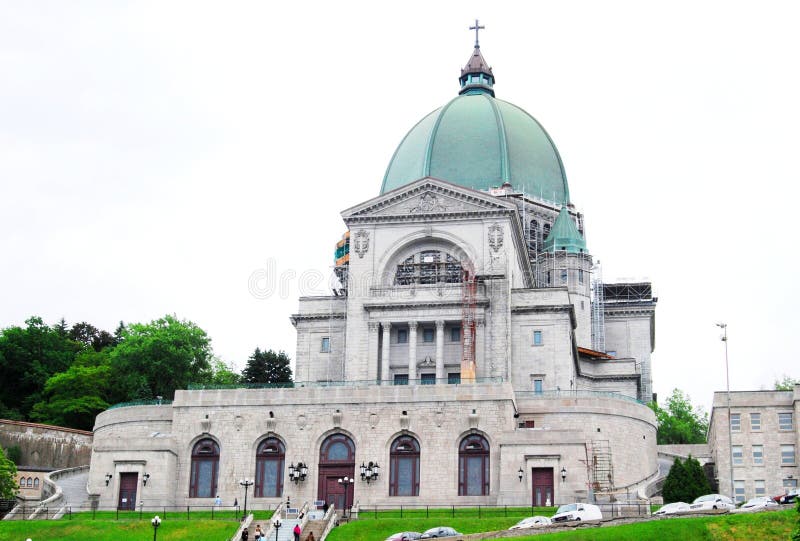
(155, 155)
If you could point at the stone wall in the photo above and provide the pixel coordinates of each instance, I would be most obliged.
(45, 446)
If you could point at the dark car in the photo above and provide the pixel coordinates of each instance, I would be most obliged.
(789, 497)
(404, 536)
(441, 531)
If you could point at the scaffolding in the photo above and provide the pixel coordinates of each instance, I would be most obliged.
(601, 469)
(598, 310)
(469, 288)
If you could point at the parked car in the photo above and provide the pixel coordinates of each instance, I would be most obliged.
(789, 497)
(404, 536)
(712, 501)
(577, 511)
(672, 509)
(439, 531)
(756, 504)
(531, 522)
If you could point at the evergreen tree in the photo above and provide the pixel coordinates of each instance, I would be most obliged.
(673, 490)
(267, 367)
(697, 482)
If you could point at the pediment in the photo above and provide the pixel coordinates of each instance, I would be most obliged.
(428, 198)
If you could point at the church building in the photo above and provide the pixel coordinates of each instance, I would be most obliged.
(470, 355)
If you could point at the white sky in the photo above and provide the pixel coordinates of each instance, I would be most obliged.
(154, 155)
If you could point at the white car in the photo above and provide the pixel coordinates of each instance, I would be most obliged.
(577, 512)
(531, 522)
(672, 509)
(757, 504)
(712, 501)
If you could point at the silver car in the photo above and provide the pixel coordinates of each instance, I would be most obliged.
(439, 531)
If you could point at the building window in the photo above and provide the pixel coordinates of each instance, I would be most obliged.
(473, 466)
(787, 455)
(580, 276)
(538, 386)
(428, 379)
(401, 379)
(404, 467)
(429, 267)
(21, 482)
(454, 378)
(789, 484)
(455, 334)
(402, 336)
(761, 487)
(548, 278)
(738, 491)
(563, 276)
(205, 466)
(537, 338)
(755, 422)
(30, 482)
(738, 455)
(427, 335)
(736, 422)
(785, 421)
(758, 455)
(326, 345)
(36, 482)
(611, 353)
(270, 459)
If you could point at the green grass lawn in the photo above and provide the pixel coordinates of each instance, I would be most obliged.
(746, 527)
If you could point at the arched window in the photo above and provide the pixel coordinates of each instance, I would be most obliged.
(205, 468)
(30, 482)
(428, 267)
(35, 482)
(21, 482)
(545, 232)
(404, 467)
(338, 448)
(269, 468)
(473, 466)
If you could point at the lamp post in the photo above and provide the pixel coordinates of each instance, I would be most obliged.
(156, 522)
(277, 525)
(246, 483)
(345, 482)
(724, 327)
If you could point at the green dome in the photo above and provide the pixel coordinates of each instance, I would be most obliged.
(480, 142)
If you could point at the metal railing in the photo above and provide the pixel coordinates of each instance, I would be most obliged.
(354, 383)
(550, 395)
(154, 402)
(141, 512)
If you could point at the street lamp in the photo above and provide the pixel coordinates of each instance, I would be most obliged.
(246, 483)
(298, 473)
(724, 327)
(277, 525)
(145, 478)
(156, 522)
(345, 482)
(109, 477)
(369, 472)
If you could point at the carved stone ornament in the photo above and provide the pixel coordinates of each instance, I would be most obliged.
(439, 418)
(337, 418)
(473, 419)
(495, 237)
(405, 421)
(373, 420)
(205, 425)
(427, 203)
(238, 422)
(271, 424)
(361, 243)
(302, 421)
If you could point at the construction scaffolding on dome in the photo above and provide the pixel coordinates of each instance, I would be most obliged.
(341, 262)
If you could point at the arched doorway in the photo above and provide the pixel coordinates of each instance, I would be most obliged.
(337, 459)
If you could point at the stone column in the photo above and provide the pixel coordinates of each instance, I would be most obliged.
(387, 336)
(439, 351)
(412, 351)
(372, 353)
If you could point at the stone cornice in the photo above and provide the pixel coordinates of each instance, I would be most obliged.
(432, 217)
(411, 305)
(295, 318)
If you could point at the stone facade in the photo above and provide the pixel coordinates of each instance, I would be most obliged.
(46, 446)
(765, 440)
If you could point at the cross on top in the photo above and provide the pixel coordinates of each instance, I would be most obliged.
(477, 27)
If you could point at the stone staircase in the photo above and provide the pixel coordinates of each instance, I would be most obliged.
(74, 491)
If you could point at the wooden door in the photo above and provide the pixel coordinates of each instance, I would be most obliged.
(542, 486)
(127, 491)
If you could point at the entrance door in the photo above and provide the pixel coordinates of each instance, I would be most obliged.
(542, 486)
(336, 461)
(335, 494)
(127, 491)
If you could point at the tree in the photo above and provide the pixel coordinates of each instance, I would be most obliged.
(786, 383)
(223, 374)
(91, 336)
(680, 422)
(8, 477)
(685, 482)
(74, 397)
(267, 367)
(28, 357)
(156, 358)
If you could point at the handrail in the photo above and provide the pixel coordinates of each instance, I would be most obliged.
(155, 402)
(354, 383)
(577, 394)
